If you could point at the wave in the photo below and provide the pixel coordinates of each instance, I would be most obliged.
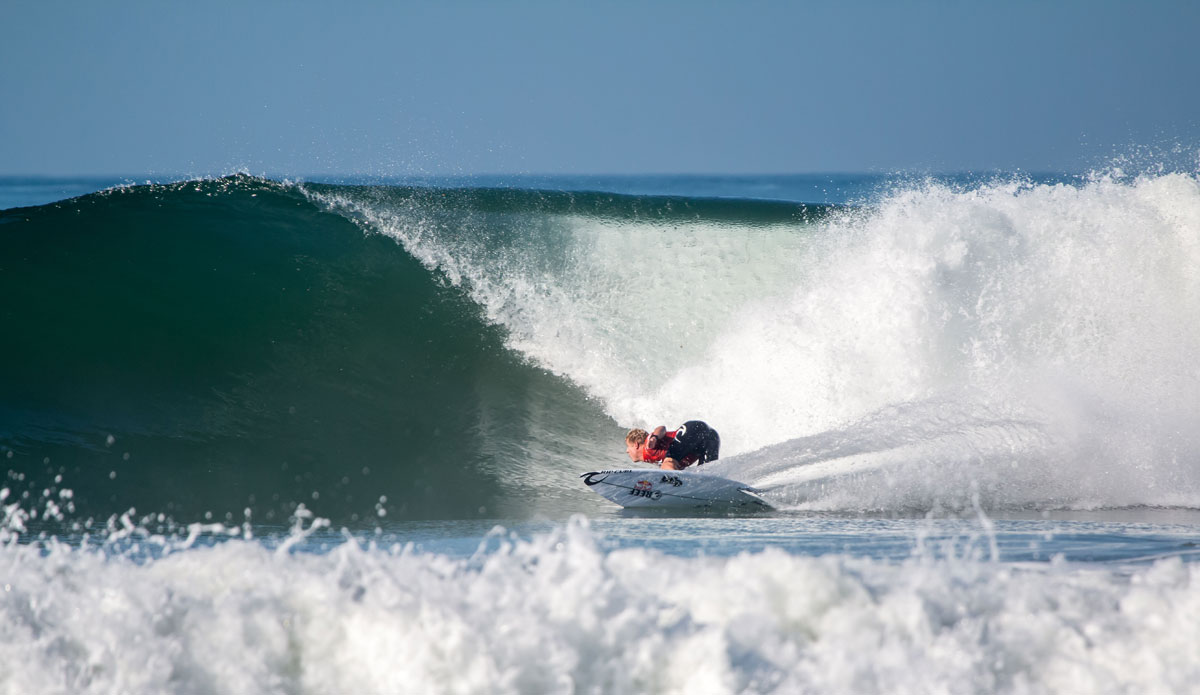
(462, 352)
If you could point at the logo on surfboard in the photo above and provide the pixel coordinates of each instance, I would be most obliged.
(645, 488)
(591, 479)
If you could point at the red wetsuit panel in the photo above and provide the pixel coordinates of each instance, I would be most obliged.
(657, 455)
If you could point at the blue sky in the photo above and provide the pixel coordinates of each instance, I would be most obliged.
(401, 88)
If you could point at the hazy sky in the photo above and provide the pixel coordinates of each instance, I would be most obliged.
(377, 88)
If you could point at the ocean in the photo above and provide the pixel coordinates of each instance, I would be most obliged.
(321, 435)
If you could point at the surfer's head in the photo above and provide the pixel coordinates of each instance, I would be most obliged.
(634, 440)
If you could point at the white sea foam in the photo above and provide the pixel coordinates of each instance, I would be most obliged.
(559, 614)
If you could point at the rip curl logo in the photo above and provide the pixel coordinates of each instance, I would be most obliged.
(591, 479)
(645, 488)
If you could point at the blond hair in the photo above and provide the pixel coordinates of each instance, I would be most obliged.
(636, 436)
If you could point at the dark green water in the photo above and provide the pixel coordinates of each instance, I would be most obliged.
(221, 345)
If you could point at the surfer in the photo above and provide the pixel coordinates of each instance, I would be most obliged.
(693, 442)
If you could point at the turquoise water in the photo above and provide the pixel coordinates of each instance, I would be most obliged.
(270, 436)
(1119, 539)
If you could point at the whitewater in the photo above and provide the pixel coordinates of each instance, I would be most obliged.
(1035, 341)
(972, 402)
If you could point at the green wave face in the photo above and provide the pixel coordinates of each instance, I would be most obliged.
(226, 345)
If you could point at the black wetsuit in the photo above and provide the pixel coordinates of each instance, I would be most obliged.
(695, 442)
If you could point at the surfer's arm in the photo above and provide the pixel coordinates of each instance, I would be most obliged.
(670, 464)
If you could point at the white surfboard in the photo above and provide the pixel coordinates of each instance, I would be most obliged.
(656, 488)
